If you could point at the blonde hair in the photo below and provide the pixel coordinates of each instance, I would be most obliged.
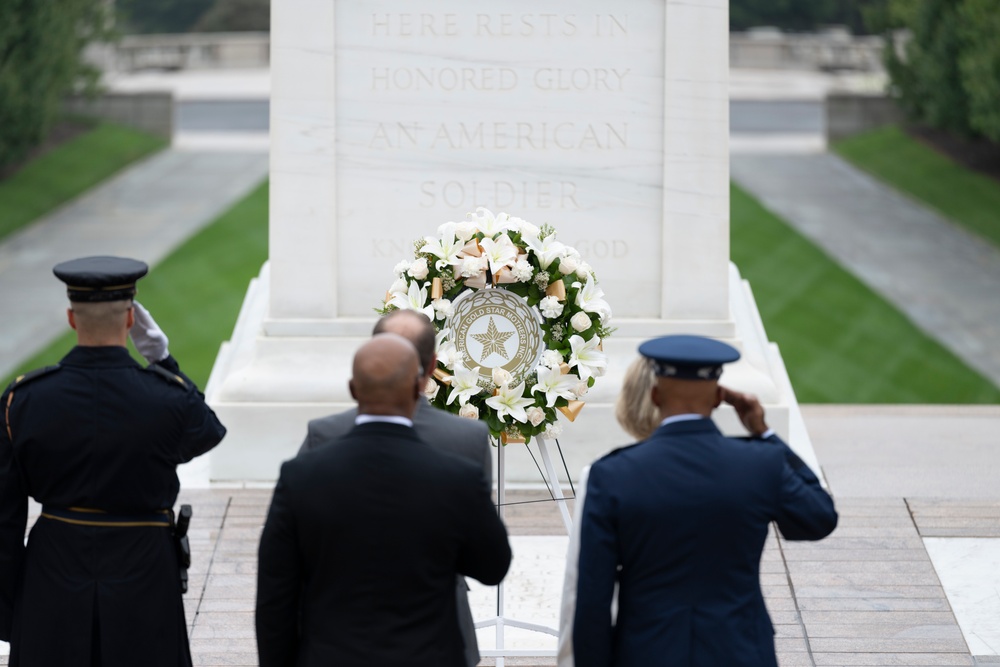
(634, 408)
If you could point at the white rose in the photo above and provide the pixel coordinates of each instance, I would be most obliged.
(551, 307)
(580, 321)
(443, 309)
(568, 264)
(552, 358)
(400, 286)
(553, 430)
(581, 389)
(528, 228)
(584, 270)
(502, 377)
(535, 415)
(465, 231)
(432, 388)
(469, 411)
(419, 268)
(401, 268)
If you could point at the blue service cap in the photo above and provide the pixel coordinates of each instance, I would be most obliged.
(688, 357)
(100, 278)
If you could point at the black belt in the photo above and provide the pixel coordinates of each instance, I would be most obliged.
(82, 516)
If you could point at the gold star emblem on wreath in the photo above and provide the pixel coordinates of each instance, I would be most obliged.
(493, 341)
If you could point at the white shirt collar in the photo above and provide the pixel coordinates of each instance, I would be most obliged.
(390, 419)
(681, 418)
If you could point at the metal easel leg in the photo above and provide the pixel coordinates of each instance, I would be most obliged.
(555, 488)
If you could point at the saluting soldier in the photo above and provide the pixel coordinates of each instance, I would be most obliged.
(96, 440)
(679, 521)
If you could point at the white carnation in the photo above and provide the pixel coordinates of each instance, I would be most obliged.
(472, 266)
(551, 307)
(535, 415)
(523, 270)
(553, 430)
(443, 309)
(552, 358)
(401, 268)
(502, 377)
(580, 321)
(418, 269)
(469, 411)
(432, 388)
(584, 270)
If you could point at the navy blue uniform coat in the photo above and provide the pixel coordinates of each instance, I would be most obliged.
(679, 521)
(101, 432)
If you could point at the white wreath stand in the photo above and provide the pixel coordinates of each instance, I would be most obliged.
(500, 621)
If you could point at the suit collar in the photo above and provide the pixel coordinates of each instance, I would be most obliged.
(704, 425)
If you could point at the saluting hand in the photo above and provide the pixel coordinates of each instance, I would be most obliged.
(749, 410)
(147, 336)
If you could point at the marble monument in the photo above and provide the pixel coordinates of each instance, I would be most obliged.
(608, 120)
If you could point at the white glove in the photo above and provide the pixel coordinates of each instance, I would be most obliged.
(147, 337)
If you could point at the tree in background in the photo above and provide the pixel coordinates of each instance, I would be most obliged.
(160, 16)
(948, 74)
(980, 65)
(41, 45)
(236, 16)
(796, 15)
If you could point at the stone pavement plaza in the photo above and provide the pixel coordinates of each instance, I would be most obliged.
(910, 483)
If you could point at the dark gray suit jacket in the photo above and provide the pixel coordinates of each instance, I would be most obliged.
(467, 438)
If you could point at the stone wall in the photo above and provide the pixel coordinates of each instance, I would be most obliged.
(848, 114)
(149, 112)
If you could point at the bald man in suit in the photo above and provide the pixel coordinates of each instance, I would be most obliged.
(467, 438)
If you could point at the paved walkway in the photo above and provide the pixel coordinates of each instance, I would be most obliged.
(943, 278)
(144, 212)
(917, 510)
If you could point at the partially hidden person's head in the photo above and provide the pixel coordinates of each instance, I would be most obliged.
(415, 327)
(687, 370)
(387, 378)
(635, 409)
(101, 290)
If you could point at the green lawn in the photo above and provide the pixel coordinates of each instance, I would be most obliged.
(68, 170)
(960, 194)
(195, 294)
(841, 342)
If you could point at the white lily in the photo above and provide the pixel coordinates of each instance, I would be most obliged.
(490, 224)
(445, 247)
(415, 298)
(510, 401)
(464, 384)
(586, 358)
(500, 252)
(554, 384)
(546, 250)
(590, 298)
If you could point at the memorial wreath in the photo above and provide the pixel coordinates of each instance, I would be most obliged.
(520, 321)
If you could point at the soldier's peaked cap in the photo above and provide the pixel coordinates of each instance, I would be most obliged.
(100, 278)
(688, 357)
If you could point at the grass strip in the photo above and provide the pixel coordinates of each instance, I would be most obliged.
(68, 170)
(841, 342)
(196, 292)
(960, 194)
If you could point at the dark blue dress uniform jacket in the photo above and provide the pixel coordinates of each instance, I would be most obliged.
(100, 432)
(679, 521)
